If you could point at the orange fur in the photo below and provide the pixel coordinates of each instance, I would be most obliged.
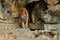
(23, 14)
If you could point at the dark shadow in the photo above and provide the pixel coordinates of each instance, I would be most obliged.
(31, 5)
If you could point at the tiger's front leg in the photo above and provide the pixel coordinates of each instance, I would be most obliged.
(25, 21)
(23, 24)
(27, 18)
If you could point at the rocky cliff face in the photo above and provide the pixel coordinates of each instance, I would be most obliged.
(10, 30)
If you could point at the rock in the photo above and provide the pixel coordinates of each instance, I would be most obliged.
(46, 35)
(2, 36)
(52, 8)
(54, 38)
(1, 16)
(23, 37)
(32, 1)
(11, 32)
(42, 37)
(57, 7)
(14, 14)
(36, 32)
(26, 31)
(51, 2)
(21, 34)
(52, 27)
(36, 25)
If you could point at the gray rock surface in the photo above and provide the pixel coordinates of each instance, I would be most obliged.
(12, 32)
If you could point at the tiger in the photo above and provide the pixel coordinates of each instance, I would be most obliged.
(23, 17)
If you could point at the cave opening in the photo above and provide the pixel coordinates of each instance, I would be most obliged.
(31, 5)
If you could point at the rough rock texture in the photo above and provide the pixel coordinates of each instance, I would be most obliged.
(36, 26)
(32, 1)
(9, 32)
(53, 5)
(1, 16)
(52, 26)
(57, 7)
(51, 2)
(54, 8)
(51, 8)
(12, 32)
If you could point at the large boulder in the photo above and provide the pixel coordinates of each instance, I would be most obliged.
(35, 26)
(54, 7)
(51, 2)
(1, 15)
(57, 7)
